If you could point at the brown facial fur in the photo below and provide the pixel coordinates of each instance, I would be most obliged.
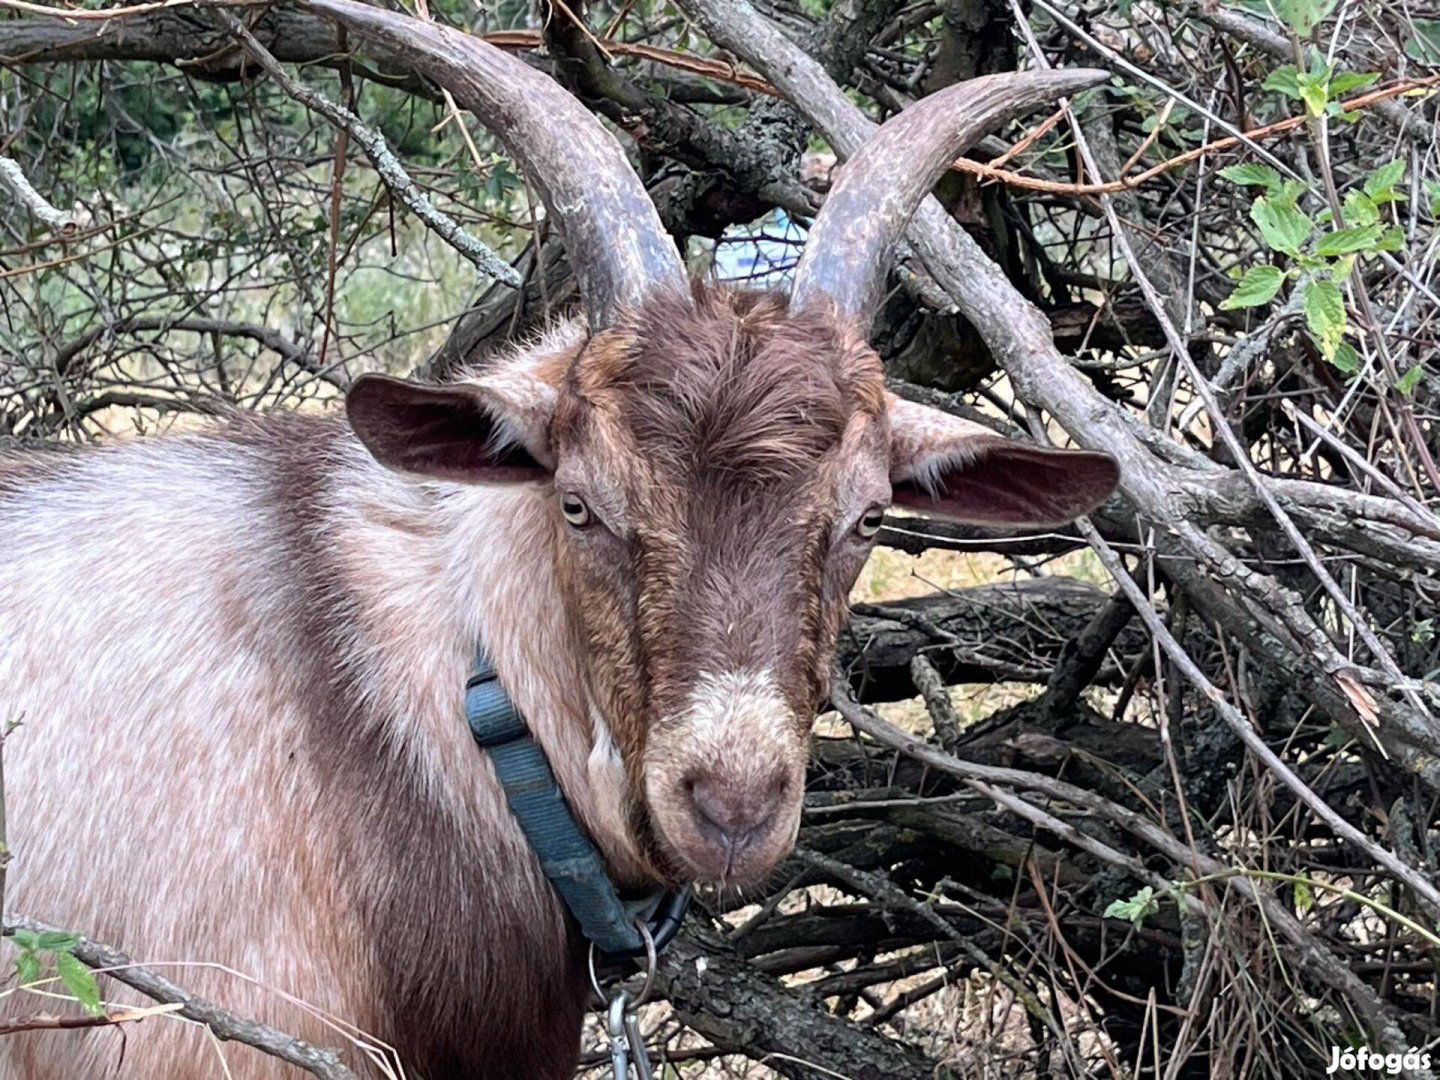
(716, 447)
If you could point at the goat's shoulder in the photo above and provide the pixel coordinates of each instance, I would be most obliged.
(247, 447)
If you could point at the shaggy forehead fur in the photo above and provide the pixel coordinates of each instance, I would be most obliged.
(732, 388)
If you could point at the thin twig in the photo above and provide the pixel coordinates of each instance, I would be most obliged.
(1425, 890)
(223, 1024)
(51, 1022)
(392, 174)
(104, 14)
(992, 780)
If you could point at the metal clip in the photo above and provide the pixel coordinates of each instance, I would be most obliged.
(622, 1020)
(635, 1039)
(616, 1028)
(627, 1041)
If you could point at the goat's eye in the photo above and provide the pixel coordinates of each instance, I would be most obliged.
(870, 522)
(574, 510)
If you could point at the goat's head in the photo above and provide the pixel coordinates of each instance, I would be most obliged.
(718, 462)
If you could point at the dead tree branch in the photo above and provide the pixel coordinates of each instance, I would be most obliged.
(63, 222)
(224, 1025)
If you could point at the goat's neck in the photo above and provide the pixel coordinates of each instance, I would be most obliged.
(438, 568)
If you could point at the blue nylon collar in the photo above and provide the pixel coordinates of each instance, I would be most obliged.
(569, 858)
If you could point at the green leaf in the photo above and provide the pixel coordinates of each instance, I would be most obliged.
(1304, 896)
(1392, 239)
(1284, 228)
(1423, 632)
(1258, 286)
(1325, 315)
(1303, 16)
(57, 941)
(1410, 380)
(1317, 64)
(1383, 180)
(1314, 92)
(1360, 209)
(1289, 193)
(26, 939)
(1345, 241)
(1346, 81)
(27, 968)
(1346, 360)
(1137, 909)
(1424, 43)
(1284, 79)
(1251, 175)
(80, 981)
(1177, 119)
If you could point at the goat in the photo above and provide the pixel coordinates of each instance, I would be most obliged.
(240, 654)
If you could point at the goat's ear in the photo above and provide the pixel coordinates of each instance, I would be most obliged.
(958, 469)
(467, 432)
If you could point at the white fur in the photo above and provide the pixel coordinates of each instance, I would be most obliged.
(732, 709)
(524, 399)
(736, 726)
(926, 443)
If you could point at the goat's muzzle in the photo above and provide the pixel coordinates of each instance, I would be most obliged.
(725, 779)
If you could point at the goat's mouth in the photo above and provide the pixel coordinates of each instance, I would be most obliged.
(707, 842)
(737, 865)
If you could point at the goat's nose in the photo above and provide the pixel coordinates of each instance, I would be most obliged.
(735, 813)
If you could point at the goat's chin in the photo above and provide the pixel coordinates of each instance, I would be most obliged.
(692, 860)
(736, 875)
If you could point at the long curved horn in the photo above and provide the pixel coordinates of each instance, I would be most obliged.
(847, 254)
(618, 249)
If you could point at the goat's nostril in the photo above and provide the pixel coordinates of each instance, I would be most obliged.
(736, 811)
(714, 804)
